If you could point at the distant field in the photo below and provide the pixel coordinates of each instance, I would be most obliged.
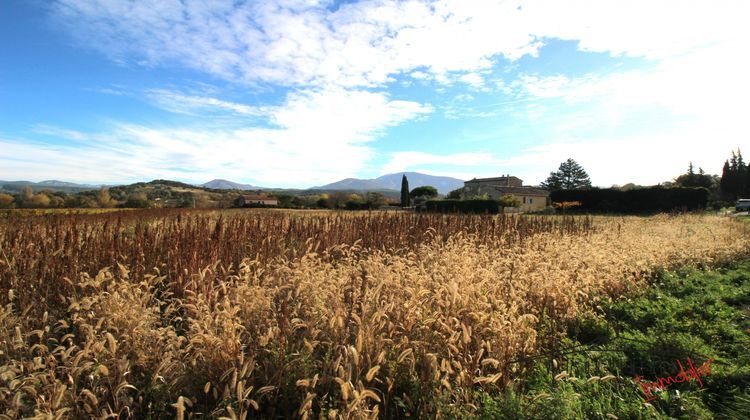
(267, 313)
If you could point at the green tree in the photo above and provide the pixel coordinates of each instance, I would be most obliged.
(735, 181)
(138, 200)
(338, 199)
(569, 176)
(426, 191)
(405, 199)
(375, 200)
(509, 201)
(692, 179)
(455, 194)
(56, 200)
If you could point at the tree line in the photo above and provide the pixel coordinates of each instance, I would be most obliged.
(570, 181)
(735, 178)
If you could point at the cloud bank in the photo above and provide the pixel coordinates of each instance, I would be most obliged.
(337, 64)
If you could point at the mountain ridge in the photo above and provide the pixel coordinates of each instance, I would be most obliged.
(223, 184)
(444, 184)
(51, 184)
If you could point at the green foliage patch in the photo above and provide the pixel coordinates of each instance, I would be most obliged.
(692, 313)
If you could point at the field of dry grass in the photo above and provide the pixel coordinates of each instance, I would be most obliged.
(235, 314)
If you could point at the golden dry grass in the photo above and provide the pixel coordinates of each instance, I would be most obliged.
(359, 329)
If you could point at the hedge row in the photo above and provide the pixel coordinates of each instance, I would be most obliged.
(463, 206)
(641, 200)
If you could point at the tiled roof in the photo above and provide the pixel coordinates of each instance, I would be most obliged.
(499, 178)
(521, 190)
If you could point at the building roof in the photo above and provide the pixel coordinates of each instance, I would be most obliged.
(521, 190)
(495, 179)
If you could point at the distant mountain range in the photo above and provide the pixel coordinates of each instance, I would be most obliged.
(444, 184)
(223, 184)
(385, 183)
(52, 184)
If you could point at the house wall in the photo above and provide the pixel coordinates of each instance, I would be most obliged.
(532, 203)
(528, 202)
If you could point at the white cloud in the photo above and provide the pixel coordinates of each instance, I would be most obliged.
(697, 100)
(641, 159)
(463, 97)
(363, 44)
(401, 161)
(475, 80)
(328, 58)
(640, 28)
(178, 102)
(315, 137)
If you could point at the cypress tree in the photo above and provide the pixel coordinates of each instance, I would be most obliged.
(405, 199)
(725, 183)
(741, 176)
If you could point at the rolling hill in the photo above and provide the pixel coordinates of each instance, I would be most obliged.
(223, 184)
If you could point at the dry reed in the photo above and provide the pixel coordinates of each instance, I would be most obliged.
(267, 314)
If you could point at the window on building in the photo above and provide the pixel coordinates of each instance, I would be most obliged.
(530, 200)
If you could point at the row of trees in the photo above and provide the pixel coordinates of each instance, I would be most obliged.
(721, 191)
(735, 178)
(56, 199)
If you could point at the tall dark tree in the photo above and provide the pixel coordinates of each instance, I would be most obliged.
(742, 170)
(735, 178)
(405, 199)
(569, 176)
(726, 174)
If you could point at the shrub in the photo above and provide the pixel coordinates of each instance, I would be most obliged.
(639, 200)
(463, 206)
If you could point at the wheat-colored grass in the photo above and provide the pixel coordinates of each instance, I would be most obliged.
(340, 331)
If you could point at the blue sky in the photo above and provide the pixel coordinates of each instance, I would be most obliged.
(296, 93)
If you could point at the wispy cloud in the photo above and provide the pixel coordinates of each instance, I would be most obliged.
(315, 136)
(181, 103)
(295, 43)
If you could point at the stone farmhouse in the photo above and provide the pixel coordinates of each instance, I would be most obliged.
(531, 198)
(254, 200)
